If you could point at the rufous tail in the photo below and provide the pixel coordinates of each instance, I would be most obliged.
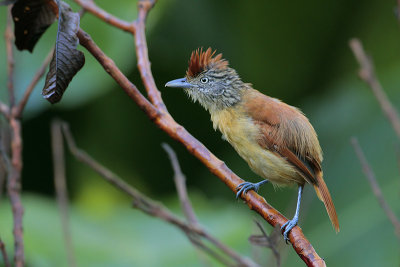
(323, 194)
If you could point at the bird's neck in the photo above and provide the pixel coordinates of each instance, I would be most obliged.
(228, 100)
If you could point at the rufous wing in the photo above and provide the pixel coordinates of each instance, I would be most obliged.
(285, 131)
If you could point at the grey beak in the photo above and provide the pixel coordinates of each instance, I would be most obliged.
(178, 83)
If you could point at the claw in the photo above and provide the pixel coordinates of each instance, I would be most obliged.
(288, 226)
(243, 188)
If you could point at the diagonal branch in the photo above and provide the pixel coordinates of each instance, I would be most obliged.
(157, 112)
(136, 28)
(112, 69)
(166, 123)
(90, 6)
(180, 184)
(39, 74)
(151, 207)
(267, 241)
(179, 179)
(369, 174)
(367, 74)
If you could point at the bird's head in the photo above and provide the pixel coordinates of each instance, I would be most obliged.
(210, 81)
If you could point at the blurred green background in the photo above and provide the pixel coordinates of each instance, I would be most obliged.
(295, 51)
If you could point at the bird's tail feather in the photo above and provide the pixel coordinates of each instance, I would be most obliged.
(324, 195)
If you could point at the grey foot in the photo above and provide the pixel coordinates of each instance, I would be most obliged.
(246, 186)
(288, 226)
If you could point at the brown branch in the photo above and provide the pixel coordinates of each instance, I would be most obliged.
(4, 254)
(13, 114)
(14, 190)
(160, 116)
(369, 174)
(91, 7)
(144, 6)
(149, 206)
(9, 36)
(166, 123)
(110, 67)
(367, 74)
(61, 187)
(39, 73)
(267, 241)
(136, 28)
(14, 172)
(180, 183)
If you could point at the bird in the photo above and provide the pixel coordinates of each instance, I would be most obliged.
(276, 140)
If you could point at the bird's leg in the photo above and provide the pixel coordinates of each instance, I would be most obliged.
(293, 222)
(246, 186)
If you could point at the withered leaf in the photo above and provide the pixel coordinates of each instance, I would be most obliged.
(67, 60)
(31, 20)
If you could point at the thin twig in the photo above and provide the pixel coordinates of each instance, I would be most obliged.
(91, 7)
(61, 188)
(367, 74)
(9, 36)
(4, 254)
(180, 183)
(166, 123)
(179, 179)
(143, 62)
(369, 174)
(39, 73)
(136, 28)
(267, 241)
(112, 69)
(146, 204)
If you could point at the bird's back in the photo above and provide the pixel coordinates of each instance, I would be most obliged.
(241, 131)
(284, 124)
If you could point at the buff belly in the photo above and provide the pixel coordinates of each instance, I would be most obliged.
(242, 134)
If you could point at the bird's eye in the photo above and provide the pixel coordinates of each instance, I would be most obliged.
(204, 80)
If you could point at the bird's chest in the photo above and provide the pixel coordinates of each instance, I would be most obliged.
(240, 131)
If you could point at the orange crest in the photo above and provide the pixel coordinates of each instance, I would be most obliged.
(201, 60)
